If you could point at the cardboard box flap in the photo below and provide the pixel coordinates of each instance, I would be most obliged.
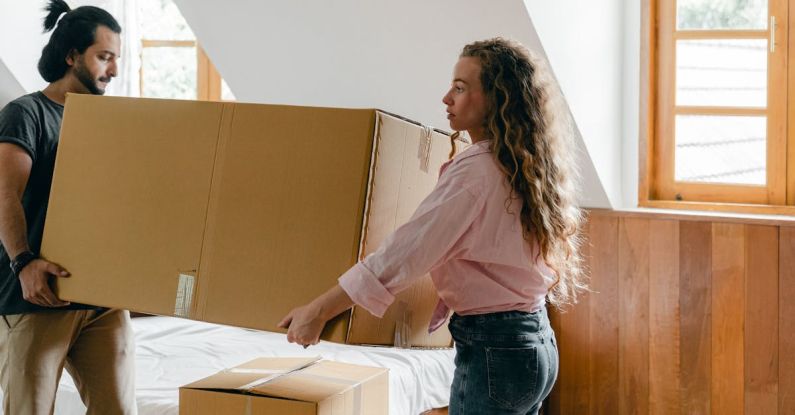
(321, 388)
(318, 382)
(407, 160)
(253, 373)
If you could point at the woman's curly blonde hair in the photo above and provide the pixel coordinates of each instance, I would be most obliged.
(534, 149)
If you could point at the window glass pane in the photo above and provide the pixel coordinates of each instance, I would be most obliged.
(721, 14)
(721, 149)
(169, 72)
(162, 20)
(721, 72)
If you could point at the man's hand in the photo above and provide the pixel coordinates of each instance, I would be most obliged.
(304, 325)
(35, 279)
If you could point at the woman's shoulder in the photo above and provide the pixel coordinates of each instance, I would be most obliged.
(475, 165)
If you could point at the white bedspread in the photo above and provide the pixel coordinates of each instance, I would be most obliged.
(172, 352)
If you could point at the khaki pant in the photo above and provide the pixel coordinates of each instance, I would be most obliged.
(95, 347)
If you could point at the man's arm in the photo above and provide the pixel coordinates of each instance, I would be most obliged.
(15, 166)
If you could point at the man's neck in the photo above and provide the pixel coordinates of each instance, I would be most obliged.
(56, 91)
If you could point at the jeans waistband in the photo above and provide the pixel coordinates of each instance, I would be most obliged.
(506, 325)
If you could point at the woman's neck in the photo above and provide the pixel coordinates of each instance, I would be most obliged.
(477, 135)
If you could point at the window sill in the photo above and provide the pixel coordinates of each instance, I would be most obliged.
(696, 211)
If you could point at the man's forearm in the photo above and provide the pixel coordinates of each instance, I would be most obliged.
(13, 227)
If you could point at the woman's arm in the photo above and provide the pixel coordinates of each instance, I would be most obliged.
(305, 323)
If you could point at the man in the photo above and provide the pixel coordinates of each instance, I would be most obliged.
(39, 333)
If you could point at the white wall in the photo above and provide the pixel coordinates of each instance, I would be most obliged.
(397, 56)
(631, 76)
(22, 40)
(584, 42)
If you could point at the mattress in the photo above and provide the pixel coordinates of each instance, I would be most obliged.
(171, 352)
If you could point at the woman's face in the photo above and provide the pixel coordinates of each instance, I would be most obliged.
(465, 101)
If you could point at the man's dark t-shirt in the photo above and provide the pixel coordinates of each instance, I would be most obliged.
(32, 122)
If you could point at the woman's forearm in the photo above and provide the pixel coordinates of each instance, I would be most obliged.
(332, 302)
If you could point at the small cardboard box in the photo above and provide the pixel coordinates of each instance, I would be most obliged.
(235, 213)
(289, 386)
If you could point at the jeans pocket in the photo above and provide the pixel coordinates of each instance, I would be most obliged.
(512, 375)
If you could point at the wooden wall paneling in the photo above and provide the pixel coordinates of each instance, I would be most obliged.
(603, 376)
(664, 317)
(572, 390)
(684, 317)
(695, 255)
(552, 403)
(761, 329)
(580, 323)
(786, 321)
(633, 333)
(728, 317)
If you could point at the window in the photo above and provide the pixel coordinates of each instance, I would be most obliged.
(718, 103)
(173, 64)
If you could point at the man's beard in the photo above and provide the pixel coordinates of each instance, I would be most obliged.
(85, 78)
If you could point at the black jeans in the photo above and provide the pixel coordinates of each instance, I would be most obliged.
(506, 363)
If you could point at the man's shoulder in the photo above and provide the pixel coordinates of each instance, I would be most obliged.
(27, 100)
(34, 107)
(25, 103)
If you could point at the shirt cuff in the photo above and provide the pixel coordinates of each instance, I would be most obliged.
(366, 290)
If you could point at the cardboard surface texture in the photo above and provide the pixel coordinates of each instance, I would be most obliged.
(290, 386)
(235, 213)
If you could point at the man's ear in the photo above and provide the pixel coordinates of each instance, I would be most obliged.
(71, 57)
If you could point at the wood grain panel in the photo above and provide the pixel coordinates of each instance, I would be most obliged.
(695, 268)
(687, 316)
(786, 322)
(664, 317)
(761, 330)
(552, 403)
(604, 316)
(633, 333)
(579, 323)
(728, 317)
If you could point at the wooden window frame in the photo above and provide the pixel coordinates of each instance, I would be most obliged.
(657, 187)
(208, 79)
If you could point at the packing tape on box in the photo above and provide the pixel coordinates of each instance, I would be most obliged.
(257, 371)
(248, 405)
(184, 297)
(269, 375)
(424, 150)
(356, 385)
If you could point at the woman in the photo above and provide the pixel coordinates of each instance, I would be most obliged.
(499, 235)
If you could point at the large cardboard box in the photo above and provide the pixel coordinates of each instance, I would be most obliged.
(235, 213)
(289, 386)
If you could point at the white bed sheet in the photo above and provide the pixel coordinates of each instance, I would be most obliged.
(171, 352)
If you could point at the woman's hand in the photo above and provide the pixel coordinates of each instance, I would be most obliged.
(304, 325)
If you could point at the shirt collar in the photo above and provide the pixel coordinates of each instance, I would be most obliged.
(480, 147)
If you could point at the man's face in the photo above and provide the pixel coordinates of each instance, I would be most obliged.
(97, 65)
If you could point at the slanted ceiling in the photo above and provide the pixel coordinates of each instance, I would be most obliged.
(397, 56)
(9, 86)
